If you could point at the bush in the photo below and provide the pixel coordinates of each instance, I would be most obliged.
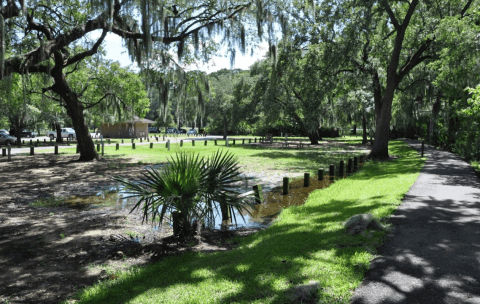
(190, 188)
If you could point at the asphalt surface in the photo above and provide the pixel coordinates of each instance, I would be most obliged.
(434, 255)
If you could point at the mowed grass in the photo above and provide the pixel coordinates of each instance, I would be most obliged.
(306, 243)
(250, 157)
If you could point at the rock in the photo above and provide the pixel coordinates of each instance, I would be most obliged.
(305, 293)
(361, 222)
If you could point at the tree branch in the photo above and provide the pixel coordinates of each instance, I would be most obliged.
(415, 59)
(10, 10)
(88, 53)
(465, 8)
(390, 13)
(413, 83)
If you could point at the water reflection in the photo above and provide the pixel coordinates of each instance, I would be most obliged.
(258, 216)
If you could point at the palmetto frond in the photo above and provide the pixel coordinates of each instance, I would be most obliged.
(196, 187)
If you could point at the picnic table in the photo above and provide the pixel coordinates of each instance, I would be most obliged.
(287, 143)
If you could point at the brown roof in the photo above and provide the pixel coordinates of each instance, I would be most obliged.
(141, 120)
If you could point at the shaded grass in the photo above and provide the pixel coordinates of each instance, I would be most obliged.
(305, 243)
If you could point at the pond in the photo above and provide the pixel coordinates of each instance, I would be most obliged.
(260, 215)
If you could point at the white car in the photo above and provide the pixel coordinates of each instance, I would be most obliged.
(192, 131)
(66, 133)
(6, 139)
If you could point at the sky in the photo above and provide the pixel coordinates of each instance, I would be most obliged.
(115, 51)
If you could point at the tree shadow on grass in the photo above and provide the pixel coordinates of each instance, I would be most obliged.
(268, 265)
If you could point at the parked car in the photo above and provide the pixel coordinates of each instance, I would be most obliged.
(182, 131)
(24, 133)
(6, 139)
(171, 130)
(3, 131)
(66, 133)
(153, 130)
(192, 131)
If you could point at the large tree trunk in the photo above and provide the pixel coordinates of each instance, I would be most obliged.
(225, 126)
(74, 110)
(382, 129)
(58, 128)
(432, 134)
(364, 126)
(18, 122)
(383, 110)
(313, 138)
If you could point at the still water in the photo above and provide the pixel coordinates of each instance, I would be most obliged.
(258, 216)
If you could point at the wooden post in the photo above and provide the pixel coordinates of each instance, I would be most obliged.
(255, 140)
(9, 151)
(103, 148)
(44, 140)
(141, 139)
(226, 142)
(31, 142)
(122, 141)
(355, 164)
(306, 179)
(132, 140)
(108, 141)
(151, 145)
(332, 173)
(148, 139)
(361, 159)
(181, 142)
(205, 142)
(341, 169)
(117, 146)
(4, 151)
(77, 149)
(32, 151)
(285, 185)
(423, 147)
(193, 142)
(56, 149)
(349, 166)
(258, 194)
(243, 141)
(249, 140)
(320, 174)
(133, 146)
(168, 145)
(98, 147)
(215, 142)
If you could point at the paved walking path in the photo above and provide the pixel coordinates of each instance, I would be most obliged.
(434, 255)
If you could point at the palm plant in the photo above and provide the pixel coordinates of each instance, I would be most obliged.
(190, 188)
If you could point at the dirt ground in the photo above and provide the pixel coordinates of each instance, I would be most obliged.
(48, 254)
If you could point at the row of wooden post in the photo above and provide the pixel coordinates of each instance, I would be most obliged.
(352, 166)
(7, 151)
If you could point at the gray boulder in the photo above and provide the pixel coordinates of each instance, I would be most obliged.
(361, 222)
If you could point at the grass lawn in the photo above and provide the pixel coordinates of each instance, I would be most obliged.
(306, 243)
(251, 157)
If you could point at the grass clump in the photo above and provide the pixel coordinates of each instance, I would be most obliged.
(305, 244)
